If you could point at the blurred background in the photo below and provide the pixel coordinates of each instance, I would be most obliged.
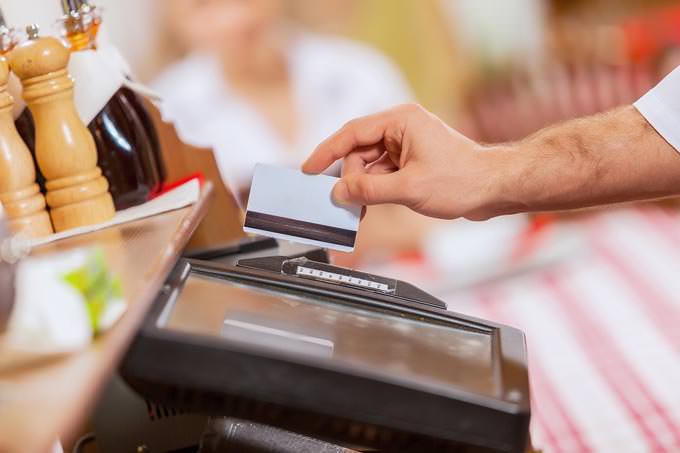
(596, 291)
(458, 56)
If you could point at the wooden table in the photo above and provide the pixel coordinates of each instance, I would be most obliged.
(46, 401)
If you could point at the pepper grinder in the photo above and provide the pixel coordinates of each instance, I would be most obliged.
(77, 193)
(19, 194)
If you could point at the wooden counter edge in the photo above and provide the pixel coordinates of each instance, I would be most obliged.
(118, 338)
(135, 317)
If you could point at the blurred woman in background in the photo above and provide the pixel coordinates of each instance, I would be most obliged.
(256, 88)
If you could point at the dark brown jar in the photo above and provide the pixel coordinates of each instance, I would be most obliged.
(152, 133)
(125, 152)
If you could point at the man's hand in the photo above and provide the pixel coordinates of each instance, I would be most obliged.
(410, 157)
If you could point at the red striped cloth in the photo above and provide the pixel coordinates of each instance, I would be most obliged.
(603, 333)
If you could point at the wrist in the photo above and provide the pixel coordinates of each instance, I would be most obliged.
(502, 179)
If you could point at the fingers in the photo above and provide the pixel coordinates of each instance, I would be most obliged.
(383, 165)
(370, 189)
(357, 162)
(372, 161)
(365, 131)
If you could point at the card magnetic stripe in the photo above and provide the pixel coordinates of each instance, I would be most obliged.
(298, 228)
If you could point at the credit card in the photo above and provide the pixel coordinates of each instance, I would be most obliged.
(285, 203)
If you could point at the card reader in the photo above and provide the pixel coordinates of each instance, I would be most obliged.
(332, 353)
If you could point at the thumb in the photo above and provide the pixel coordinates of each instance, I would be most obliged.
(369, 189)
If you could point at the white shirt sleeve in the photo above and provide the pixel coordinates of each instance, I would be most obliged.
(661, 107)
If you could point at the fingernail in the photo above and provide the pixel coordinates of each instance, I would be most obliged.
(305, 169)
(341, 193)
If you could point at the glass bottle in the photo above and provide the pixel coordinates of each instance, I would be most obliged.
(127, 154)
(92, 19)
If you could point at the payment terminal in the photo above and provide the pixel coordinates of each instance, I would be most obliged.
(340, 355)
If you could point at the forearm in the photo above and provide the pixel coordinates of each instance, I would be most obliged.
(608, 158)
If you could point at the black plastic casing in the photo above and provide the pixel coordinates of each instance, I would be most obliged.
(326, 399)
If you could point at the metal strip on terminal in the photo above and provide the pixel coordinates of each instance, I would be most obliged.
(331, 276)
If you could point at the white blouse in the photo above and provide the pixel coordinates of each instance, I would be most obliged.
(334, 80)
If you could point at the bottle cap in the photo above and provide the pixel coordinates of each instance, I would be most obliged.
(90, 14)
(72, 20)
(33, 31)
(70, 6)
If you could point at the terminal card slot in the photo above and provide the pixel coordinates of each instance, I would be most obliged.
(306, 268)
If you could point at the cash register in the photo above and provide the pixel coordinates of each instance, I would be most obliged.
(293, 342)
